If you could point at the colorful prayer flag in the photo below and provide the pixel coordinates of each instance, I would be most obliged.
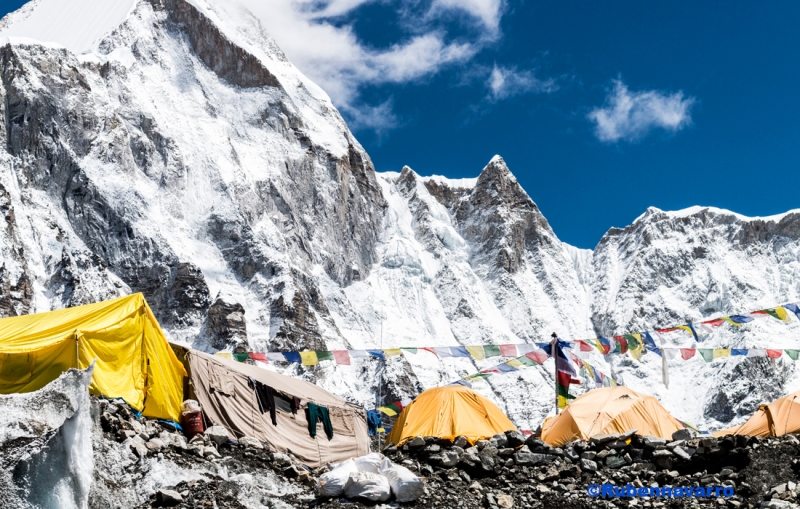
(756, 352)
(622, 344)
(491, 350)
(650, 344)
(792, 354)
(722, 352)
(525, 348)
(584, 346)
(606, 344)
(341, 357)
(738, 320)
(392, 352)
(687, 353)
(224, 355)
(706, 353)
(774, 354)
(309, 358)
(292, 357)
(539, 357)
(442, 352)
(259, 356)
(459, 351)
(409, 350)
(476, 352)
(514, 363)
(324, 355)
(376, 353)
(738, 352)
(565, 373)
(276, 357)
(689, 328)
(241, 356)
(358, 354)
(508, 350)
(794, 308)
(505, 368)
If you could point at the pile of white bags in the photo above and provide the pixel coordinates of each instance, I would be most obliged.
(373, 477)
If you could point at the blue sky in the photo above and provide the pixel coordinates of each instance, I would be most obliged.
(600, 109)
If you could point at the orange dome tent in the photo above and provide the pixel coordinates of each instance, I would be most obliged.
(609, 410)
(780, 417)
(449, 412)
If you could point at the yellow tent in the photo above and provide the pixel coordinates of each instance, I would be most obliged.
(609, 410)
(780, 417)
(449, 412)
(134, 360)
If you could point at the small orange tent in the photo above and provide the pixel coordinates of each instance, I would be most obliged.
(780, 417)
(449, 412)
(609, 410)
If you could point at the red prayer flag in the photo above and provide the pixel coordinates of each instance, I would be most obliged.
(341, 357)
(539, 357)
(774, 354)
(508, 350)
(585, 347)
(429, 349)
(714, 323)
(687, 353)
(259, 356)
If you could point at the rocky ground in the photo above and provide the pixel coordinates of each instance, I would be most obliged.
(510, 470)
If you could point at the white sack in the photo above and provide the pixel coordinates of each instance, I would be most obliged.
(331, 484)
(373, 487)
(370, 462)
(405, 486)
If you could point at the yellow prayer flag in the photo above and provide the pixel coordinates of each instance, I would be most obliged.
(309, 358)
(224, 355)
(476, 352)
(782, 314)
(392, 352)
(636, 352)
(721, 352)
(386, 410)
(514, 363)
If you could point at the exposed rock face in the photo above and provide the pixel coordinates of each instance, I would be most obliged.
(226, 324)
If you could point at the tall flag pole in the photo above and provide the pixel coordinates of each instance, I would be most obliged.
(553, 354)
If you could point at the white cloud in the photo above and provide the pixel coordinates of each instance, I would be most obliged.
(333, 56)
(505, 82)
(630, 115)
(487, 12)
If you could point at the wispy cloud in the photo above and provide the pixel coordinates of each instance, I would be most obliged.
(630, 116)
(312, 35)
(487, 12)
(505, 82)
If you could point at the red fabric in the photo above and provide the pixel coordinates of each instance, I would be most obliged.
(539, 357)
(564, 379)
(508, 350)
(259, 356)
(670, 329)
(774, 354)
(428, 349)
(341, 357)
(585, 347)
(687, 353)
(622, 342)
(714, 323)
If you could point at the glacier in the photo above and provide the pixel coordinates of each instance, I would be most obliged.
(170, 147)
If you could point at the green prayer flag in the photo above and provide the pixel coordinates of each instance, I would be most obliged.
(491, 350)
(527, 361)
(324, 355)
(707, 353)
(792, 353)
(241, 357)
(409, 350)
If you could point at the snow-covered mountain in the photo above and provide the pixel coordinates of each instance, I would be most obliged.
(169, 147)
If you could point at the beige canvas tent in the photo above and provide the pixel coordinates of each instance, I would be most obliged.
(780, 417)
(224, 389)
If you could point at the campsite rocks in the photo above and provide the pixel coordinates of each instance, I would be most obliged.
(251, 442)
(515, 439)
(217, 435)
